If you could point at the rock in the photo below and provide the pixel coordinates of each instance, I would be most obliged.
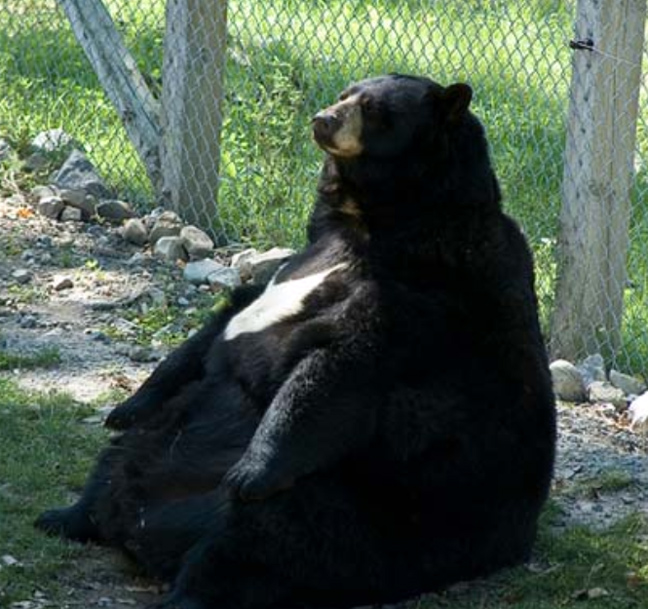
(638, 412)
(264, 266)
(137, 259)
(62, 282)
(567, 381)
(241, 261)
(81, 200)
(134, 231)
(5, 149)
(22, 275)
(51, 207)
(628, 384)
(78, 173)
(158, 297)
(71, 214)
(604, 392)
(28, 321)
(168, 224)
(182, 301)
(143, 355)
(52, 140)
(152, 217)
(44, 241)
(197, 242)
(198, 271)
(592, 369)
(225, 278)
(112, 209)
(41, 192)
(170, 248)
(35, 162)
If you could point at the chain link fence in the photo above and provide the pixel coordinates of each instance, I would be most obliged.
(286, 59)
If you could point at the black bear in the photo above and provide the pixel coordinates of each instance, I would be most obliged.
(377, 421)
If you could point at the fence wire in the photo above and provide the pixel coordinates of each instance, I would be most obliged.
(285, 60)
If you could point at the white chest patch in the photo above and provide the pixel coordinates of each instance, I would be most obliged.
(278, 301)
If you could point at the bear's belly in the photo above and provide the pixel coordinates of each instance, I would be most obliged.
(278, 302)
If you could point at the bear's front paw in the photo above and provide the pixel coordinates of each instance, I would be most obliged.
(251, 480)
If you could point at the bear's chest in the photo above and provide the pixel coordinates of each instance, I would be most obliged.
(279, 302)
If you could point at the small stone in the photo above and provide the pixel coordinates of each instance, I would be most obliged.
(51, 207)
(112, 209)
(27, 255)
(638, 412)
(28, 321)
(226, 278)
(78, 173)
(41, 192)
(143, 355)
(604, 392)
(80, 199)
(182, 301)
(35, 162)
(628, 384)
(62, 282)
(170, 248)
(264, 266)
(158, 297)
(198, 271)
(71, 214)
(592, 369)
(137, 259)
(44, 241)
(167, 224)
(95, 230)
(197, 242)
(241, 261)
(22, 275)
(134, 231)
(51, 140)
(567, 381)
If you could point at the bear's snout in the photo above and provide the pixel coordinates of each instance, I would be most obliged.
(325, 125)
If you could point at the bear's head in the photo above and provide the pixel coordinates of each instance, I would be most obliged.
(386, 116)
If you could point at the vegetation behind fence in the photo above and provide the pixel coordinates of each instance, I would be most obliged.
(285, 60)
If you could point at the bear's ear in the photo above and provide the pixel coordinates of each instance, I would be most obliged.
(456, 99)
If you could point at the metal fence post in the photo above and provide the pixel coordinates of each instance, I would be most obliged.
(598, 177)
(192, 92)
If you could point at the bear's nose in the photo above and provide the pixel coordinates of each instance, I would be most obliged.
(325, 124)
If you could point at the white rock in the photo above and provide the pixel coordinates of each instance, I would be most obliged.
(71, 214)
(170, 248)
(604, 392)
(167, 224)
(22, 275)
(51, 140)
(592, 369)
(197, 242)
(197, 272)
(241, 261)
(226, 277)
(638, 412)
(134, 231)
(51, 207)
(567, 381)
(628, 384)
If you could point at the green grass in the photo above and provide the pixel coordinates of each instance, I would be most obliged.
(287, 59)
(47, 451)
(45, 358)
(45, 455)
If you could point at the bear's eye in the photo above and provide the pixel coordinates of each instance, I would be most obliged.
(370, 108)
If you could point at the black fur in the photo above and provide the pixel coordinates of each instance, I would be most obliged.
(393, 436)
